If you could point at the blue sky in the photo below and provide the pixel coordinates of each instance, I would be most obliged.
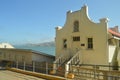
(34, 21)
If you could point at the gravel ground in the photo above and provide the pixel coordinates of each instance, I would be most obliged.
(9, 75)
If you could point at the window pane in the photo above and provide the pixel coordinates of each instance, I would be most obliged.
(77, 38)
(76, 26)
(90, 43)
(65, 43)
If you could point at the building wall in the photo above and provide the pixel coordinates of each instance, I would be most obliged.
(87, 29)
(114, 48)
(16, 55)
(24, 55)
(42, 58)
(118, 58)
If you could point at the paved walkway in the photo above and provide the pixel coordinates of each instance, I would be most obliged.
(9, 75)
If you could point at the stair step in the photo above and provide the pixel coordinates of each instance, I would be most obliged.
(60, 73)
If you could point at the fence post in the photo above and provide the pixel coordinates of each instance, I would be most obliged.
(46, 68)
(24, 65)
(105, 76)
(54, 67)
(33, 66)
(94, 71)
(66, 69)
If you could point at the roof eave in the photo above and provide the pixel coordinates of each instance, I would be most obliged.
(115, 37)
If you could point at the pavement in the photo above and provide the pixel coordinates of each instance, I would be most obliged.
(9, 75)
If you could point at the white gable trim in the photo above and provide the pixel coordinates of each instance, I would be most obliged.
(116, 37)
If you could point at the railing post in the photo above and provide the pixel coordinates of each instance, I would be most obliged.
(46, 68)
(33, 66)
(54, 67)
(66, 69)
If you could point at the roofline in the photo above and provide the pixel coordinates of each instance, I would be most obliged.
(28, 50)
(116, 37)
(16, 49)
(38, 52)
(114, 33)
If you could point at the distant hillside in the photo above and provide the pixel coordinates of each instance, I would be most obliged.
(46, 47)
(52, 43)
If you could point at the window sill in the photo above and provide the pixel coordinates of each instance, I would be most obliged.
(89, 49)
(75, 31)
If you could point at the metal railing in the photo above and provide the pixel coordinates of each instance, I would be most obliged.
(41, 67)
(95, 72)
(80, 71)
(74, 60)
(65, 56)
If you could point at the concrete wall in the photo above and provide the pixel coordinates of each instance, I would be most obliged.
(16, 55)
(87, 29)
(40, 57)
(118, 58)
(22, 55)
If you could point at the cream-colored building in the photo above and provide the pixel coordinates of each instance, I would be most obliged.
(24, 55)
(114, 46)
(6, 45)
(82, 41)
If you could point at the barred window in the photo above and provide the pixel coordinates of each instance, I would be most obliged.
(76, 26)
(76, 38)
(90, 43)
(65, 43)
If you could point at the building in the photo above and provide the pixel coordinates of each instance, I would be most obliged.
(24, 55)
(82, 41)
(6, 45)
(114, 46)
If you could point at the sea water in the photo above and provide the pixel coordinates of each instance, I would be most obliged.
(45, 49)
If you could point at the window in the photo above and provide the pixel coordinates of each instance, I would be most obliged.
(90, 43)
(76, 38)
(0, 54)
(82, 44)
(65, 43)
(5, 55)
(76, 26)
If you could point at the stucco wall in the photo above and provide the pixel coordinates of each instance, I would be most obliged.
(42, 58)
(87, 29)
(118, 58)
(16, 55)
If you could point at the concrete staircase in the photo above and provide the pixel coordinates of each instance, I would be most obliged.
(61, 69)
(63, 65)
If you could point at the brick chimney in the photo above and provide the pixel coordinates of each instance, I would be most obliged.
(115, 29)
